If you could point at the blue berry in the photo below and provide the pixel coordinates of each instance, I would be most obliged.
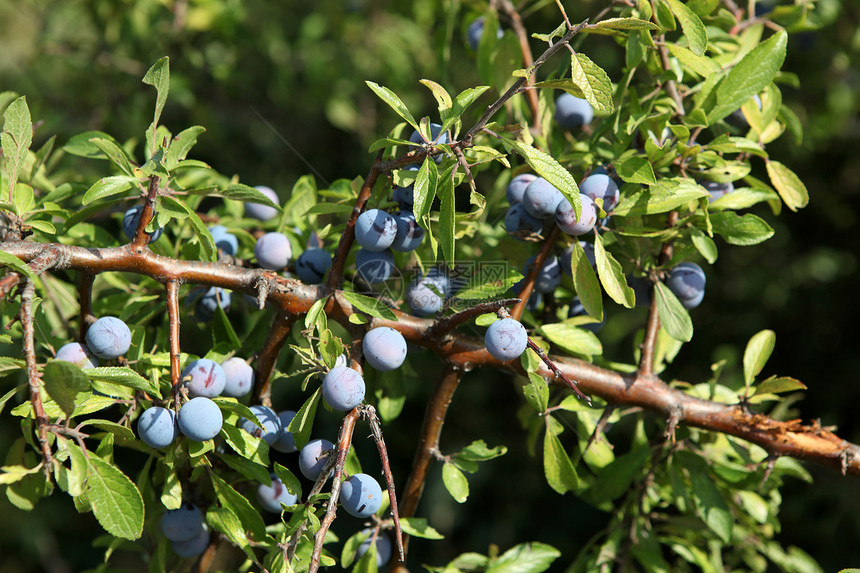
(506, 339)
(239, 377)
(343, 388)
(314, 456)
(200, 419)
(601, 186)
(642, 289)
(361, 495)
(717, 190)
(130, 220)
(420, 297)
(436, 137)
(383, 547)
(263, 212)
(271, 429)
(520, 224)
(549, 276)
(205, 378)
(375, 230)
(565, 216)
(374, 267)
(273, 251)
(108, 338)
(687, 281)
(409, 232)
(577, 309)
(183, 523)
(384, 348)
(194, 546)
(476, 30)
(286, 442)
(541, 198)
(312, 265)
(224, 240)
(207, 303)
(572, 112)
(78, 354)
(157, 427)
(517, 187)
(272, 496)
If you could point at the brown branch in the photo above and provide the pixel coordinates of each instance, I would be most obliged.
(447, 324)
(335, 275)
(85, 296)
(806, 442)
(529, 280)
(652, 326)
(528, 59)
(141, 237)
(33, 375)
(172, 287)
(558, 372)
(268, 357)
(368, 413)
(428, 446)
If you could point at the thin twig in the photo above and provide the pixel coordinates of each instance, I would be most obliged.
(33, 376)
(530, 278)
(447, 324)
(557, 371)
(141, 237)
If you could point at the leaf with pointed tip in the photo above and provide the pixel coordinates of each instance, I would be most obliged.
(788, 185)
(394, 102)
(116, 501)
(611, 275)
(673, 316)
(691, 24)
(593, 81)
(547, 167)
(757, 352)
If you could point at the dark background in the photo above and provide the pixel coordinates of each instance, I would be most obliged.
(302, 69)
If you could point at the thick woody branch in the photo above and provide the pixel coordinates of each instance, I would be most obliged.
(172, 287)
(268, 356)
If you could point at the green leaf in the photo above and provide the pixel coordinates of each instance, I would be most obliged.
(124, 376)
(673, 316)
(749, 76)
(558, 469)
(742, 230)
(246, 445)
(664, 196)
(635, 169)
(63, 381)
(393, 102)
(181, 145)
(611, 275)
(550, 169)
(226, 522)
(373, 307)
(15, 140)
(711, 506)
(615, 478)
(250, 469)
(692, 26)
(704, 244)
(479, 452)
(424, 189)
(778, 385)
(455, 482)
(572, 339)
(77, 476)
(758, 350)
(13, 474)
(530, 557)
(536, 392)
(291, 482)
(417, 527)
(158, 76)
(443, 98)
(209, 253)
(593, 81)
(585, 282)
(301, 424)
(116, 502)
(446, 217)
(624, 24)
(112, 151)
(699, 64)
(235, 502)
(23, 199)
(16, 265)
(788, 185)
(238, 192)
(108, 187)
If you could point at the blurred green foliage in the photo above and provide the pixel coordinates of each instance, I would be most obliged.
(280, 88)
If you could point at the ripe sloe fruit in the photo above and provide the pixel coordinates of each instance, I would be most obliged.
(361, 495)
(273, 251)
(108, 338)
(271, 429)
(224, 239)
(384, 348)
(476, 30)
(374, 267)
(409, 232)
(541, 198)
(343, 388)
(200, 419)
(565, 216)
(263, 212)
(549, 276)
(157, 427)
(375, 230)
(517, 186)
(130, 220)
(572, 112)
(194, 546)
(314, 456)
(687, 281)
(717, 189)
(78, 354)
(239, 377)
(420, 297)
(183, 523)
(506, 339)
(272, 496)
(519, 223)
(207, 303)
(205, 378)
(601, 186)
(383, 547)
(312, 265)
(285, 443)
(577, 309)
